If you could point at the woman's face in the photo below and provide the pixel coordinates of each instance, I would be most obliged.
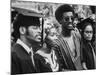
(88, 33)
(52, 34)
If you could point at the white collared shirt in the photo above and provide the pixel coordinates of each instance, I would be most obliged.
(27, 49)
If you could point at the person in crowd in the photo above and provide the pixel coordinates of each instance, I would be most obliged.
(52, 33)
(88, 50)
(46, 58)
(28, 33)
(68, 43)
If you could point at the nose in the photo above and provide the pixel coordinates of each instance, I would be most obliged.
(70, 19)
(39, 30)
(89, 34)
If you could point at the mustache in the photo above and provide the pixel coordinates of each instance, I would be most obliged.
(38, 35)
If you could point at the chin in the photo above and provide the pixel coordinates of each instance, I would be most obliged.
(34, 40)
(89, 39)
(38, 40)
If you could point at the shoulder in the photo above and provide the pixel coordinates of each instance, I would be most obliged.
(18, 51)
(39, 58)
(16, 47)
(84, 45)
(38, 55)
(76, 34)
(57, 41)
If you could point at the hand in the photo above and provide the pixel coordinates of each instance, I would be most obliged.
(84, 66)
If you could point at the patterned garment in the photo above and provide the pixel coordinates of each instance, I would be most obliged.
(69, 61)
(51, 59)
(46, 62)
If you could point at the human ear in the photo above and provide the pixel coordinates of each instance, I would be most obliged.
(22, 30)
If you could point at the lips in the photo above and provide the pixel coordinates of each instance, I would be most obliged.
(68, 25)
(38, 36)
(89, 38)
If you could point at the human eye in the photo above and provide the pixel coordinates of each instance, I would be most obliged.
(86, 31)
(66, 18)
(72, 18)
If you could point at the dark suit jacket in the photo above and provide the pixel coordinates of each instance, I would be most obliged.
(21, 62)
(87, 55)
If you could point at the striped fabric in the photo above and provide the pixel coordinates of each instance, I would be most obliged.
(72, 63)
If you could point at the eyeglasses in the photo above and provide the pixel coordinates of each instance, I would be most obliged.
(66, 19)
(88, 31)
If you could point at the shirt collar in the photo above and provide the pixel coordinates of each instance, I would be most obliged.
(24, 46)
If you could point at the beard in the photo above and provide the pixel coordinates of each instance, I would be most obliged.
(66, 32)
(67, 27)
(31, 40)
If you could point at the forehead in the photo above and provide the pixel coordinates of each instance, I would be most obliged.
(88, 28)
(67, 14)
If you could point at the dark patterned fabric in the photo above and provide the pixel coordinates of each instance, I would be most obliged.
(68, 61)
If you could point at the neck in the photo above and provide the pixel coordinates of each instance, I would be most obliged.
(66, 32)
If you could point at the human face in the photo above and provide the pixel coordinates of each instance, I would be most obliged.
(34, 33)
(88, 32)
(47, 23)
(68, 20)
(52, 34)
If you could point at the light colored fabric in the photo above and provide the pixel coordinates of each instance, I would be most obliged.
(66, 50)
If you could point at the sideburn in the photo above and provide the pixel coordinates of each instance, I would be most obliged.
(28, 36)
